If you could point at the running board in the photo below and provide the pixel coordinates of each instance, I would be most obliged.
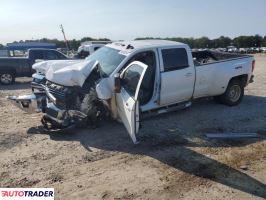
(165, 109)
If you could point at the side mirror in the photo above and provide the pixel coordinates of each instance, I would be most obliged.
(117, 84)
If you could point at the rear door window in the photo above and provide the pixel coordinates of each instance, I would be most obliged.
(174, 59)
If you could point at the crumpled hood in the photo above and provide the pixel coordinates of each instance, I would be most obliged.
(71, 75)
(42, 67)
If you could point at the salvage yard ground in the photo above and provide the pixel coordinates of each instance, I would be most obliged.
(173, 161)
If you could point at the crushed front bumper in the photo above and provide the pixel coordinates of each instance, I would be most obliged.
(29, 103)
(55, 118)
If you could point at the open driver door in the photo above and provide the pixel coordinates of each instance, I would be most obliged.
(127, 96)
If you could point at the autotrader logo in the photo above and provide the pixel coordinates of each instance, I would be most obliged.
(26, 193)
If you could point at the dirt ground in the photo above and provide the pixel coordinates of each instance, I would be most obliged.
(173, 160)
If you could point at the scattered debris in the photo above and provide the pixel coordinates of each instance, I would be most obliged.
(231, 135)
(56, 178)
(244, 167)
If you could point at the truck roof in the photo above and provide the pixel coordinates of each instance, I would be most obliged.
(41, 49)
(140, 44)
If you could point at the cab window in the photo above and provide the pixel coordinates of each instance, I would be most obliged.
(51, 55)
(131, 79)
(147, 85)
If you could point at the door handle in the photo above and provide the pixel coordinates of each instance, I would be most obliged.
(188, 74)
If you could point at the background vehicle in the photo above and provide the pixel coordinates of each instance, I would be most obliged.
(4, 53)
(12, 67)
(232, 49)
(263, 49)
(128, 79)
(242, 50)
(253, 50)
(87, 48)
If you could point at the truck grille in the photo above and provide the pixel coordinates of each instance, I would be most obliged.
(60, 93)
(57, 93)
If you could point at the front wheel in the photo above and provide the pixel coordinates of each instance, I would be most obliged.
(233, 94)
(7, 78)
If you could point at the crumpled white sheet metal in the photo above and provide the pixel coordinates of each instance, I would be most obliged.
(103, 89)
(42, 67)
(71, 75)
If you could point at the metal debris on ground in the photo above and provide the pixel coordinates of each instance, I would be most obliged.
(231, 135)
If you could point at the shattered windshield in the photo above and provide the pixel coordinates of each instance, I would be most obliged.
(108, 58)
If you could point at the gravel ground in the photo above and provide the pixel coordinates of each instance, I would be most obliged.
(173, 161)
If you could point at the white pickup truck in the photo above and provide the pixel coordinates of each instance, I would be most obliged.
(88, 48)
(126, 80)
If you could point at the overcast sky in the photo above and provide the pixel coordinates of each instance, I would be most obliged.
(128, 19)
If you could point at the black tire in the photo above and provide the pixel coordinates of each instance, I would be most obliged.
(88, 105)
(7, 77)
(233, 95)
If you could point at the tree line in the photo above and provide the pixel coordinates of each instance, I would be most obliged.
(202, 42)
(221, 42)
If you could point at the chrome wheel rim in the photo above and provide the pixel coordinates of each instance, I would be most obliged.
(6, 78)
(235, 93)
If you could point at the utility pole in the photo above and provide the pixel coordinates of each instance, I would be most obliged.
(62, 29)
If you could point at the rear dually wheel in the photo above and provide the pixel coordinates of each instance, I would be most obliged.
(233, 95)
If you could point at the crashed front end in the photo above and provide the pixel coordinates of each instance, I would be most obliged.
(57, 103)
(63, 106)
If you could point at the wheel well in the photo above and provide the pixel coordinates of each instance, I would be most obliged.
(8, 70)
(242, 78)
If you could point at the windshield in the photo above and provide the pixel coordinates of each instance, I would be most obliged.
(108, 58)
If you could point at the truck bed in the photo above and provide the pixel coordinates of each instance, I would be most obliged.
(214, 71)
(207, 57)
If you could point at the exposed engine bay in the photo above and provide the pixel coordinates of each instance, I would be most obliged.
(66, 106)
(74, 105)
